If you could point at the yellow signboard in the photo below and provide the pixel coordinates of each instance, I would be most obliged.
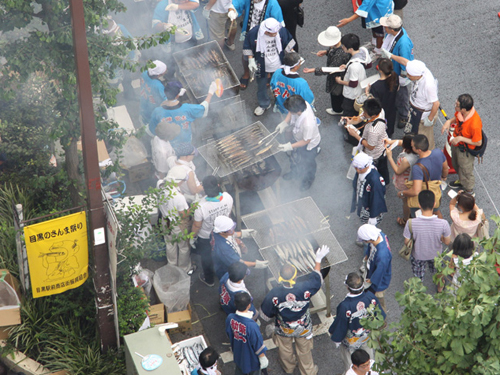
(58, 256)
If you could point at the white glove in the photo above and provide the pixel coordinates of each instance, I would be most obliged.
(206, 13)
(285, 147)
(264, 362)
(428, 122)
(243, 36)
(372, 221)
(232, 14)
(172, 7)
(192, 242)
(252, 65)
(385, 54)
(247, 233)
(259, 264)
(321, 253)
(212, 88)
(282, 126)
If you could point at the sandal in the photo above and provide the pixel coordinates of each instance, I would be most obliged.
(401, 221)
(244, 83)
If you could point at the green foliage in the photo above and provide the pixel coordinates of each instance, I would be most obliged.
(132, 306)
(454, 332)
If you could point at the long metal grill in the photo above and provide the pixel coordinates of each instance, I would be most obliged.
(292, 232)
(239, 150)
(200, 65)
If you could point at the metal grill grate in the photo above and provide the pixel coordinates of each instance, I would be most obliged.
(200, 65)
(321, 237)
(293, 227)
(285, 222)
(243, 151)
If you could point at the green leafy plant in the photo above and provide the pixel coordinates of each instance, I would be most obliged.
(454, 332)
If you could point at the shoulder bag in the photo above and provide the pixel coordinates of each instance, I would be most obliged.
(406, 250)
(299, 11)
(483, 229)
(434, 186)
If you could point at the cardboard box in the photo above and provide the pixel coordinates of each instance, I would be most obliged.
(157, 313)
(4, 332)
(182, 318)
(10, 315)
(102, 151)
(140, 172)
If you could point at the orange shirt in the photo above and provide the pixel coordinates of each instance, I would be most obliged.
(471, 127)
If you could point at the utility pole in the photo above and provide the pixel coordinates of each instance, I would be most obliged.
(95, 208)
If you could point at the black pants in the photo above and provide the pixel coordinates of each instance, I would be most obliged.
(382, 168)
(337, 101)
(204, 248)
(303, 164)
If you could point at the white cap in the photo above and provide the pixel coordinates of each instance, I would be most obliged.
(362, 160)
(160, 68)
(415, 68)
(330, 36)
(393, 21)
(368, 232)
(223, 224)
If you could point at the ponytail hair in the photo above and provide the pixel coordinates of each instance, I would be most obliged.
(467, 202)
(386, 67)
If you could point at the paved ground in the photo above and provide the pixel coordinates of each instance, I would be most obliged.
(459, 43)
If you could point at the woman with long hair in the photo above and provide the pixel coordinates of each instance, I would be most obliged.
(402, 170)
(385, 90)
(465, 214)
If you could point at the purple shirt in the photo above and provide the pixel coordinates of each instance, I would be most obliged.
(427, 232)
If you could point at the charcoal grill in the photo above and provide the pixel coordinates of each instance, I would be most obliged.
(202, 64)
(224, 163)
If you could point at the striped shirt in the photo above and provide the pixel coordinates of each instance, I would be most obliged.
(427, 232)
(375, 133)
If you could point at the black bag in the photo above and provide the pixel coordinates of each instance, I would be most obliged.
(400, 4)
(300, 15)
(479, 150)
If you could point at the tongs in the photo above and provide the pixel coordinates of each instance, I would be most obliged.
(274, 134)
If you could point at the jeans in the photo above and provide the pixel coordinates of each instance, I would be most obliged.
(303, 164)
(262, 95)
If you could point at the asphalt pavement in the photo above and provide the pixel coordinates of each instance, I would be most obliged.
(458, 40)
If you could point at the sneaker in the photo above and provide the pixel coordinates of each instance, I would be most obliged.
(202, 279)
(455, 184)
(259, 111)
(230, 47)
(306, 185)
(402, 123)
(330, 111)
(192, 269)
(471, 192)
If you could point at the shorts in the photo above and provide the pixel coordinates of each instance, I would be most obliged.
(418, 267)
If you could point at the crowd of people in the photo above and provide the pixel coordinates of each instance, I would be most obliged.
(403, 96)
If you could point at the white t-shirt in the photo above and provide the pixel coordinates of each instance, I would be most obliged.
(257, 11)
(271, 56)
(424, 93)
(305, 127)
(161, 151)
(180, 18)
(355, 72)
(208, 211)
(177, 203)
(221, 6)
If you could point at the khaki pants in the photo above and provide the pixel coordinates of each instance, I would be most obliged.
(428, 131)
(178, 253)
(346, 352)
(464, 165)
(288, 359)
